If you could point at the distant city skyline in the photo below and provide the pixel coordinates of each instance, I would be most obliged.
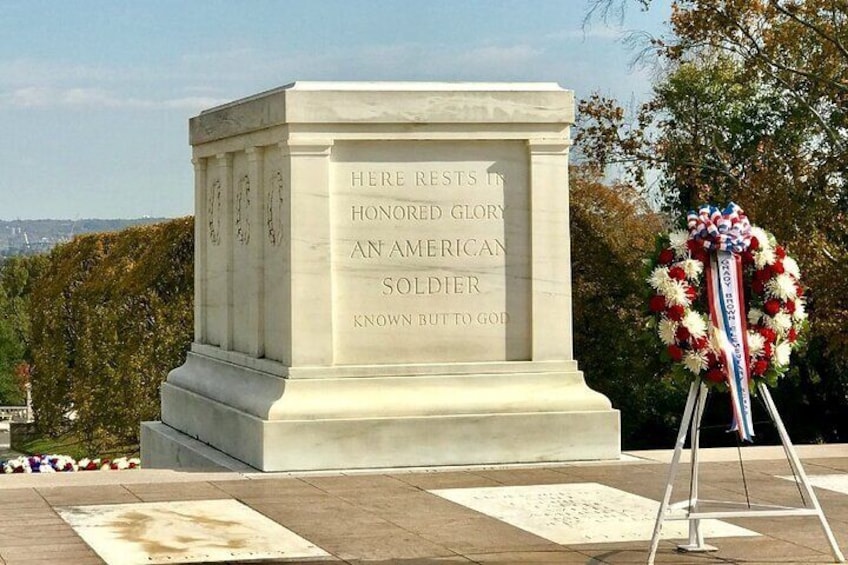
(95, 97)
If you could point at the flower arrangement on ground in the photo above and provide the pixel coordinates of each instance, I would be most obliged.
(64, 464)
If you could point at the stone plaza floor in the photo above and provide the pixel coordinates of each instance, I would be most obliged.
(600, 512)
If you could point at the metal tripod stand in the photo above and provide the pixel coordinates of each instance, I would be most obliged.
(690, 509)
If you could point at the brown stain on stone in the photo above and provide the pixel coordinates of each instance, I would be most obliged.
(133, 527)
(136, 526)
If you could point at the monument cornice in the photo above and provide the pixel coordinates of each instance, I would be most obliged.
(411, 103)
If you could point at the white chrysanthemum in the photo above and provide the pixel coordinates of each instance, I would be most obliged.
(695, 361)
(800, 313)
(762, 237)
(780, 322)
(782, 353)
(754, 315)
(693, 268)
(764, 256)
(46, 468)
(675, 293)
(677, 241)
(756, 342)
(667, 330)
(791, 267)
(659, 278)
(696, 325)
(782, 286)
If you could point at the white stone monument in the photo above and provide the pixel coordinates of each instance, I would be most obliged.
(382, 279)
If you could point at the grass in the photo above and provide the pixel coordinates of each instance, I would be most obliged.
(71, 445)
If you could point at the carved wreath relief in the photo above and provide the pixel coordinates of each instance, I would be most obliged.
(242, 215)
(275, 208)
(213, 212)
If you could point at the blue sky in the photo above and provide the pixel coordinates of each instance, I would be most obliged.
(95, 96)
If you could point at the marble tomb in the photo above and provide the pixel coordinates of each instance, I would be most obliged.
(382, 279)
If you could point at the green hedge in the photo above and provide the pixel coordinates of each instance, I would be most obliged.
(111, 315)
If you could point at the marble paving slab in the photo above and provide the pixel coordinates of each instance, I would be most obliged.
(837, 482)
(184, 532)
(579, 513)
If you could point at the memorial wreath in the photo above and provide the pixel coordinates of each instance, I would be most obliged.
(727, 304)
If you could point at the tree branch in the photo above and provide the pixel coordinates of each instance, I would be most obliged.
(809, 25)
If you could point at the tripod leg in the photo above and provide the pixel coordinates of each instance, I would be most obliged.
(685, 423)
(696, 538)
(799, 472)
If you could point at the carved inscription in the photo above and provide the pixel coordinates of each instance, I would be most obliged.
(213, 212)
(274, 210)
(433, 250)
(423, 179)
(577, 513)
(242, 213)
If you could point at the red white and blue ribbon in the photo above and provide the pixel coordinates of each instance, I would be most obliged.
(725, 235)
(729, 230)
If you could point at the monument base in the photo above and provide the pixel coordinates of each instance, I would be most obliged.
(276, 418)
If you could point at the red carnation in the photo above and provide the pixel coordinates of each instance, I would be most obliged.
(792, 335)
(682, 334)
(778, 268)
(759, 367)
(700, 343)
(772, 306)
(715, 376)
(700, 255)
(677, 273)
(767, 349)
(790, 306)
(757, 286)
(768, 334)
(747, 257)
(691, 293)
(780, 252)
(693, 245)
(755, 244)
(712, 360)
(675, 312)
(657, 303)
(666, 256)
(799, 290)
(675, 352)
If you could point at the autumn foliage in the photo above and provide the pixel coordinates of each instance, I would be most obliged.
(111, 315)
(612, 230)
(751, 106)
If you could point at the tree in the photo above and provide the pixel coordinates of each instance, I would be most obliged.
(16, 278)
(753, 109)
(111, 316)
(612, 229)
